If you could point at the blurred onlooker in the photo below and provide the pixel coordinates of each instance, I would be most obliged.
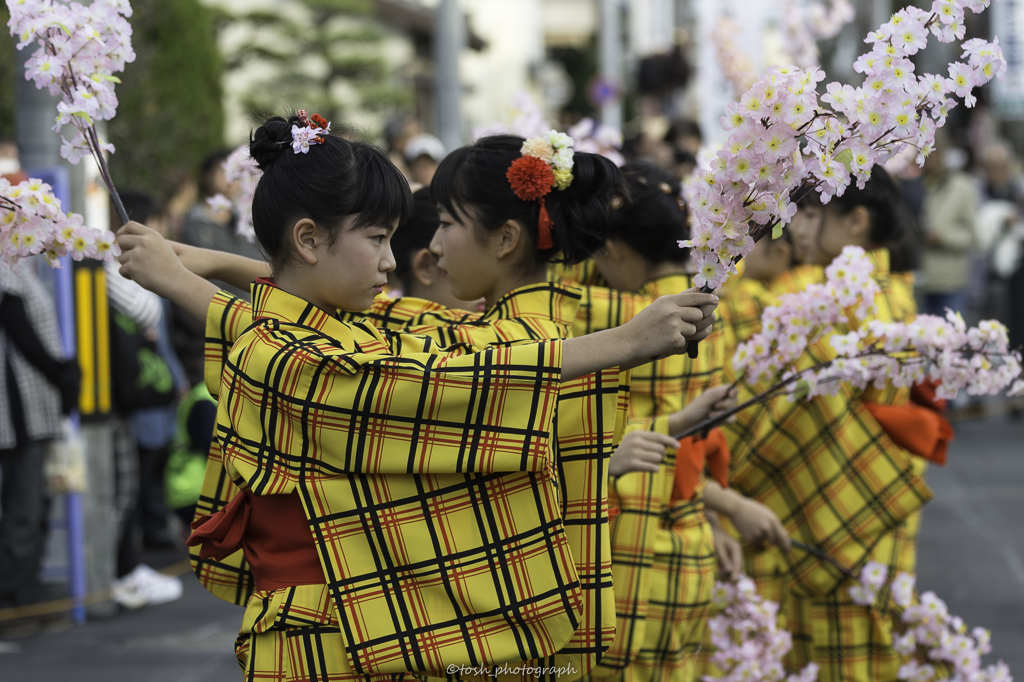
(146, 386)
(947, 221)
(685, 136)
(179, 194)
(10, 162)
(37, 386)
(423, 153)
(211, 230)
(397, 133)
(186, 468)
(1001, 231)
(1001, 176)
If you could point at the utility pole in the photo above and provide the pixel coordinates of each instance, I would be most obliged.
(449, 38)
(610, 64)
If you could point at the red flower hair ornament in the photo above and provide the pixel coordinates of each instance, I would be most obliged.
(545, 164)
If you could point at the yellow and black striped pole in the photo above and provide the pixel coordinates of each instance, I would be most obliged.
(93, 325)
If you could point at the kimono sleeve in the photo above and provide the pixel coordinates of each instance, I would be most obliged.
(602, 308)
(291, 410)
(397, 314)
(226, 318)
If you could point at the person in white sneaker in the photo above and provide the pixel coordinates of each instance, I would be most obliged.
(145, 586)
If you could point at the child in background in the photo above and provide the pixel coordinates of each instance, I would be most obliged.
(416, 273)
(664, 556)
(829, 469)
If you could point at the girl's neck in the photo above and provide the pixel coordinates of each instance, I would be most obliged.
(665, 269)
(513, 280)
(294, 281)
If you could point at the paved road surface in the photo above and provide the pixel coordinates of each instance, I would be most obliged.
(972, 555)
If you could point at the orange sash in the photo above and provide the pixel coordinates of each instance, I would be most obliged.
(920, 430)
(693, 455)
(924, 395)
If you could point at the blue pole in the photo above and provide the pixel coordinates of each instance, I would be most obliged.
(57, 177)
(72, 500)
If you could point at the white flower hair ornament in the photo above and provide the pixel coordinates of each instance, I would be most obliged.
(546, 163)
(314, 131)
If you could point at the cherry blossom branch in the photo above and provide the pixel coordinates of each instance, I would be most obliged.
(79, 49)
(782, 135)
(929, 635)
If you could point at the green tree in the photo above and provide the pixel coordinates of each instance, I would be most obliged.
(8, 67)
(324, 55)
(170, 113)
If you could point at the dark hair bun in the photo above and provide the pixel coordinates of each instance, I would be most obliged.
(650, 214)
(271, 140)
(334, 179)
(471, 181)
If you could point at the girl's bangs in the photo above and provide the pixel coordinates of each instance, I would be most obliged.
(384, 194)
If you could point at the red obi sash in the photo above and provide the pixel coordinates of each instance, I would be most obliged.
(918, 426)
(273, 533)
(696, 454)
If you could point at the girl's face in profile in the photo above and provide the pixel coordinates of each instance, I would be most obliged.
(465, 260)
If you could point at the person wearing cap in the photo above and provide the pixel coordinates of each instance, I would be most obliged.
(423, 153)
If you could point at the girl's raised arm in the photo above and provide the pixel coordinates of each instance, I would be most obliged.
(663, 328)
(148, 259)
(238, 271)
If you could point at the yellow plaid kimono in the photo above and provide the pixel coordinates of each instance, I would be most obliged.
(427, 480)
(839, 483)
(590, 415)
(743, 300)
(584, 273)
(590, 420)
(901, 292)
(662, 553)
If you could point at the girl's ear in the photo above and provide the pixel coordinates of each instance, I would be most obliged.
(859, 224)
(305, 239)
(423, 267)
(508, 238)
(782, 251)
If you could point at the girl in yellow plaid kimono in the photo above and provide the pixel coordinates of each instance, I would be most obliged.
(831, 472)
(407, 462)
(663, 553)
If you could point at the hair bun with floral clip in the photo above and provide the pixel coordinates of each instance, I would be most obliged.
(545, 164)
(314, 131)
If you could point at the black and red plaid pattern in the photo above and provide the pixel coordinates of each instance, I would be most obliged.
(825, 466)
(466, 561)
(645, 539)
(591, 414)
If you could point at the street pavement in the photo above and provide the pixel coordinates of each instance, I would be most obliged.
(971, 555)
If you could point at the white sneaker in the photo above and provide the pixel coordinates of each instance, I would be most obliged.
(145, 586)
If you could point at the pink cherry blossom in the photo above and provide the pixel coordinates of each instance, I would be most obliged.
(875, 353)
(32, 222)
(750, 645)
(77, 51)
(239, 167)
(785, 142)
